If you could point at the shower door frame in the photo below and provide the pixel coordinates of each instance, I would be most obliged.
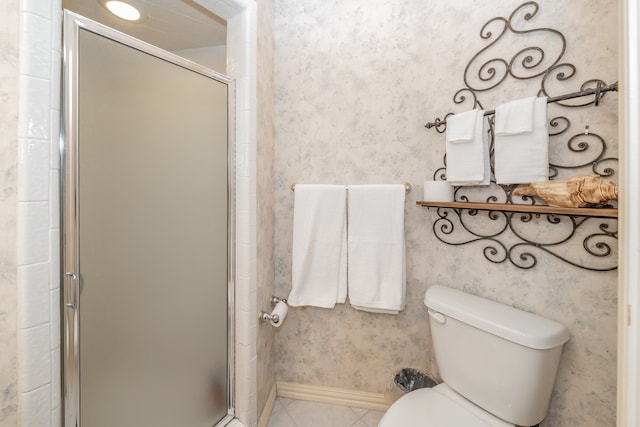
(69, 206)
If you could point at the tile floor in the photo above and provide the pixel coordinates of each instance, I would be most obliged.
(300, 413)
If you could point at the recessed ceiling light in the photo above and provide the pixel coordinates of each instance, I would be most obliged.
(123, 10)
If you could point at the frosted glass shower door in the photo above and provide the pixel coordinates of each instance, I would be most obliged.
(151, 165)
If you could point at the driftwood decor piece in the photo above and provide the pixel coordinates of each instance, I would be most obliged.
(577, 192)
(585, 241)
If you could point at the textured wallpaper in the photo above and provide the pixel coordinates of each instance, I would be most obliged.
(8, 183)
(355, 83)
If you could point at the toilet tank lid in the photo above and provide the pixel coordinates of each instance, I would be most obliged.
(498, 319)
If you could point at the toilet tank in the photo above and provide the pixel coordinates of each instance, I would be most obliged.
(502, 359)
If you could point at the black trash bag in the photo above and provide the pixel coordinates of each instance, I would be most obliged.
(409, 379)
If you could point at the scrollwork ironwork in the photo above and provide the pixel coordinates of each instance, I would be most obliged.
(482, 74)
(522, 254)
(500, 232)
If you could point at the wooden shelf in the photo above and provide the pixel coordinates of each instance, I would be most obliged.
(536, 209)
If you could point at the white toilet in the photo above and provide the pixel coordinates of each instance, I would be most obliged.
(498, 365)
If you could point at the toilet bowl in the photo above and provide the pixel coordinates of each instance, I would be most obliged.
(498, 365)
(438, 407)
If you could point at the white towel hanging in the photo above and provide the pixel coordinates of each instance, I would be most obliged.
(468, 161)
(319, 254)
(516, 117)
(376, 255)
(521, 158)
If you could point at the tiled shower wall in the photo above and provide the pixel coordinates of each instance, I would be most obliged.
(355, 83)
(9, 21)
(38, 229)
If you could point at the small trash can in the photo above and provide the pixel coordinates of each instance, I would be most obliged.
(409, 379)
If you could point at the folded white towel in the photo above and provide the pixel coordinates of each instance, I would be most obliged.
(461, 127)
(524, 158)
(377, 281)
(468, 162)
(516, 117)
(319, 255)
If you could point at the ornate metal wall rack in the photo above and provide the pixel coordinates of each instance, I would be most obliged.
(518, 229)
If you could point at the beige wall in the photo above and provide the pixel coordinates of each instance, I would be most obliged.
(355, 83)
(8, 183)
(265, 200)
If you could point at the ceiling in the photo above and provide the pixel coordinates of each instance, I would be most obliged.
(170, 24)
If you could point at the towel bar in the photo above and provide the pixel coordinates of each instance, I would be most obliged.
(597, 91)
(407, 186)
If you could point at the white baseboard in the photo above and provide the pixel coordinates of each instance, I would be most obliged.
(333, 396)
(268, 408)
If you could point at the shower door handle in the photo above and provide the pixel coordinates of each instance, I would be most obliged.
(71, 300)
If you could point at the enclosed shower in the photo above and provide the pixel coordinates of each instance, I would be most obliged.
(147, 234)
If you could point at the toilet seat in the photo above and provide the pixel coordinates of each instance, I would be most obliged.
(437, 407)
